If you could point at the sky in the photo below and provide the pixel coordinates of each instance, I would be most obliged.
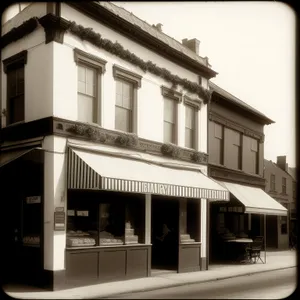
(252, 47)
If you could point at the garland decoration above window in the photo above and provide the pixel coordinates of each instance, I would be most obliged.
(88, 34)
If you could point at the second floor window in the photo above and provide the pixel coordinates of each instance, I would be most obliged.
(272, 182)
(87, 94)
(190, 127)
(218, 144)
(254, 156)
(89, 70)
(283, 185)
(124, 106)
(14, 67)
(170, 107)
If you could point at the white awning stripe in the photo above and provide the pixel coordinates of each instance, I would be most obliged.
(82, 175)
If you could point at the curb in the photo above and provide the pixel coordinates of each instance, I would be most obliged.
(186, 283)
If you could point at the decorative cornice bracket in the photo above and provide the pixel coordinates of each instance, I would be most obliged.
(55, 28)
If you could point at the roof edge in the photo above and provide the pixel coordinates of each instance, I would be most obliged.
(250, 109)
(103, 15)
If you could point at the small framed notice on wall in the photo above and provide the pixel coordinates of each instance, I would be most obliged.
(59, 220)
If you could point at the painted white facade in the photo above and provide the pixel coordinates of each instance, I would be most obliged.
(51, 90)
(51, 79)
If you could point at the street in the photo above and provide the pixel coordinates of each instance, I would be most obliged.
(268, 285)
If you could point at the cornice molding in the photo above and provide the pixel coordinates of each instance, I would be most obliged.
(225, 174)
(99, 13)
(236, 126)
(89, 132)
(19, 32)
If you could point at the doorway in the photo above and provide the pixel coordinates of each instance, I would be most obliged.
(164, 233)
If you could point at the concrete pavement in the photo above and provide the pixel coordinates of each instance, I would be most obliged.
(275, 260)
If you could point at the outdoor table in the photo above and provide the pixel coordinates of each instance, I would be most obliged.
(244, 242)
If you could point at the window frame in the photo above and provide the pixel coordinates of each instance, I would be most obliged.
(239, 162)
(196, 106)
(171, 94)
(283, 185)
(256, 155)
(222, 141)
(122, 74)
(91, 61)
(272, 188)
(12, 64)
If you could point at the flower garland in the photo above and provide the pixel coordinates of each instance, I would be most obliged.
(117, 49)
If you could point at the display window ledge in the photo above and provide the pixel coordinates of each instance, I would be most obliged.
(107, 246)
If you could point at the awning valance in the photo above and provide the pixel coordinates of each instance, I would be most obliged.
(255, 200)
(92, 170)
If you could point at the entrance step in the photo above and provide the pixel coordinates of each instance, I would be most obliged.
(161, 272)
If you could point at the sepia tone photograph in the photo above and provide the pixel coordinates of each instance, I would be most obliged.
(148, 150)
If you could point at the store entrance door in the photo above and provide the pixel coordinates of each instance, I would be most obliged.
(165, 229)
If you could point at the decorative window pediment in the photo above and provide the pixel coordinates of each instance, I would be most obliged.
(15, 61)
(169, 93)
(121, 73)
(90, 59)
(192, 102)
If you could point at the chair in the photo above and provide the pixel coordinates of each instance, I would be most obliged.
(255, 249)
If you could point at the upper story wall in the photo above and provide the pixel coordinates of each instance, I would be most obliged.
(235, 141)
(51, 78)
(235, 117)
(275, 187)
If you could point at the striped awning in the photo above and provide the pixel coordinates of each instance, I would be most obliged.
(91, 170)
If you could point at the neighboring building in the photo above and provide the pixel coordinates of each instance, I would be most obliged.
(103, 141)
(280, 185)
(236, 160)
(293, 204)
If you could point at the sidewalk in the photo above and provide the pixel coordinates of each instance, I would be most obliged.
(275, 260)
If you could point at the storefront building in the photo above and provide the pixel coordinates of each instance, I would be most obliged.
(236, 161)
(103, 147)
(279, 185)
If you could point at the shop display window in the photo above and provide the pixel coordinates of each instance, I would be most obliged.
(189, 221)
(105, 219)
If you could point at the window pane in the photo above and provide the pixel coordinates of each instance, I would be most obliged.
(81, 73)
(123, 119)
(20, 81)
(218, 131)
(12, 83)
(91, 81)
(253, 161)
(85, 108)
(189, 138)
(189, 117)
(16, 109)
(81, 87)
(169, 132)
(169, 110)
(254, 145)
(119, 87)
(126, 89)
(235, 137)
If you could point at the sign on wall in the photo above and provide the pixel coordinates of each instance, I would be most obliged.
(59, 219)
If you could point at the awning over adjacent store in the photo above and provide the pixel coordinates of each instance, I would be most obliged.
(255, 200)
(91, 170)
(9, 156)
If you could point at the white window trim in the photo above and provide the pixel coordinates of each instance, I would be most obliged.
(177, 97)
(97, 63)
(196, 104)
(122, 74)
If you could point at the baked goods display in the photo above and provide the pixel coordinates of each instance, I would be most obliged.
(106, 238)
(79, 239)
(31, 240)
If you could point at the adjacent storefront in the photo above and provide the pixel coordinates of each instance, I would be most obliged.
(243, 217)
